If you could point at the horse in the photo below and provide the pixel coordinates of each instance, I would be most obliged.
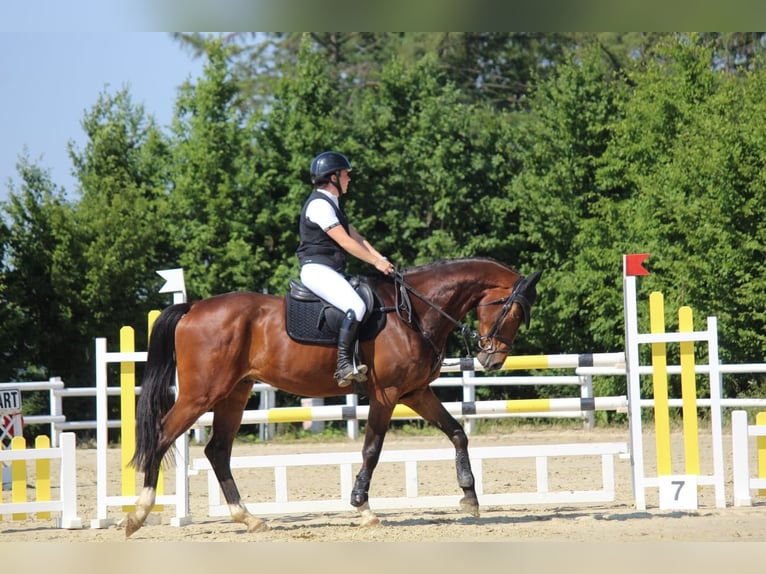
(217, 347)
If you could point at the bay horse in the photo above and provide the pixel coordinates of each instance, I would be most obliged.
(221, 345)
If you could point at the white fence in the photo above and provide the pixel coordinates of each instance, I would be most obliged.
(582, 376)
(345, 461)
(66, 503)
(58, 391)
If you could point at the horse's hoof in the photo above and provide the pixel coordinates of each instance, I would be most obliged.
(131, 524)
(369, 518)
(258, 526)
(470, 507)
(370, 522)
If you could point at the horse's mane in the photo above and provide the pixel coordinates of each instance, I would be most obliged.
(438, 266)
(434, 266)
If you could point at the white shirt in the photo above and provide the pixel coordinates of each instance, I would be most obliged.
(321, 213)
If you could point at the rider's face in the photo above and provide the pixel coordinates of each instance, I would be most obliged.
(345, 179)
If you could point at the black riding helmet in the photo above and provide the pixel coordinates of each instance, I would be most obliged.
(326, 164)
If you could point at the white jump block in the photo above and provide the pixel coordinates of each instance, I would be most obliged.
(345, 461)
(743, 482)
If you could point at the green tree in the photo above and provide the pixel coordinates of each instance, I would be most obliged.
(309, 115)
(10, 316)
(555, 200)
(122, 215)
(688, 156)
(211, 197)
(42, 337)
(430, 167)
(498, 68)
(491, 67)
(735, 52)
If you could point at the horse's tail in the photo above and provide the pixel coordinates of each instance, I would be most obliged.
(157, 396)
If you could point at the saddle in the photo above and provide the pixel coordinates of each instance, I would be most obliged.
(310, 319)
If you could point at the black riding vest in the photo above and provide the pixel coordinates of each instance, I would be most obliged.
(316, 246)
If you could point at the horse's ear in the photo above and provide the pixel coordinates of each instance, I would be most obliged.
(525, 294)
(535, 277)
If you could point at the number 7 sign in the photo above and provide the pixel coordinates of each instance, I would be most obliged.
(678, 492)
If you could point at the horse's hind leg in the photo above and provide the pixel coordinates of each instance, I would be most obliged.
(178, 420)
(227, 417)
(427, 405)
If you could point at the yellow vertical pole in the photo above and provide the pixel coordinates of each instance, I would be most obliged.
(127, 414)
(19, 477)
(151, 319)
(43, 475)
(689, 394)
(760, 443)
(660, 384)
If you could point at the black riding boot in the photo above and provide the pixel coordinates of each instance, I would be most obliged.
(346, 374)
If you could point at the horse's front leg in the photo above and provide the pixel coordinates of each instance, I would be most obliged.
(377, 424)
(427, 405)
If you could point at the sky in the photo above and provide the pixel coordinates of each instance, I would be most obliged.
(49, 79)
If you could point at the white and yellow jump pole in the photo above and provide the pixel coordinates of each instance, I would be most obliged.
(678, 487)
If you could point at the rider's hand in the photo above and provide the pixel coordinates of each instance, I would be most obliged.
(384, 266)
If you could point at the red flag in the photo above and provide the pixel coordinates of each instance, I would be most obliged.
(634, 264)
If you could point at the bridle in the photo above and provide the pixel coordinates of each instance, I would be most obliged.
(485, 343)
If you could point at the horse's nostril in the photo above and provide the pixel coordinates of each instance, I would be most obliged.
(495, 365)
(491, 362)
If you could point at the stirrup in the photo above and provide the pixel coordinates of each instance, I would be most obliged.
(357, 374)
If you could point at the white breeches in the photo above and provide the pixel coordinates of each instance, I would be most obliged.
(333, 288)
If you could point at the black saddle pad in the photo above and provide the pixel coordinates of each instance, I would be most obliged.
(310, 319)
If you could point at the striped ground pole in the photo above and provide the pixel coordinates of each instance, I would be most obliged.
(530, 362)
(466, 409)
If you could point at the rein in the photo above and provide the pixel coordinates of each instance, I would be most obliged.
(404, 312)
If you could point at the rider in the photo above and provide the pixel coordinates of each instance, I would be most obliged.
(326, 237)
